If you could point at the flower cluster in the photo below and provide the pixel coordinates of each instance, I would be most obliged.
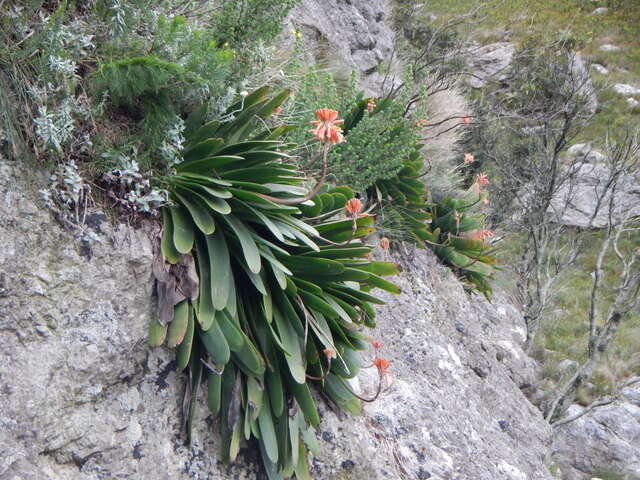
(383, 365)
(482, 179)
(326, 126)
(353, 207)
(482, 235)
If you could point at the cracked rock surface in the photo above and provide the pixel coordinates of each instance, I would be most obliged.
(606, 439)
(347, 34)
(82, 397)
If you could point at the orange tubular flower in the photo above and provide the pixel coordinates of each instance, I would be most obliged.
(353, 207)
(383, 366)
(330, 353)
(277, 110)
(384, 243)
(482, 235)
(376, 343)
(468, 158)
(466, 119)
(371, 105)
(326, 126)
(482, 179)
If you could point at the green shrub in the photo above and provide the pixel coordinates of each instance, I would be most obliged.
(278, 297)
(379, 142)
(245, 22)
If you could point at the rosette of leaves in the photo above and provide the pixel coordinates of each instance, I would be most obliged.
(281, 298)
(451, 239)
(401, 202)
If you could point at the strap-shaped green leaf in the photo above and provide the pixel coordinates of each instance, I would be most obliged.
(209, 164)
(268, 440)
(249, 247)
(336, 389)
(182, 230)
(157, 333)
(206, 312)
(198, 212)
(184, 350)
(291, 343)
(232, 333)
(169, 251)
(300, 265)
(255, 393)
(178, 327)
(215, 343)
(275, 391)
(214, 383)
(220, 268)
(305, 401)
(203, 149)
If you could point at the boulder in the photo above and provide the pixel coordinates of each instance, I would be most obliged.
(601, 69)
(585, 152)
(632, 102)
(626, 89)
(575, 203)
(83, 397)
(606, 440)
(600, 11)
(489, 62)
(609, 48)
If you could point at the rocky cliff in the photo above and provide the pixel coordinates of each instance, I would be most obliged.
(83, 397)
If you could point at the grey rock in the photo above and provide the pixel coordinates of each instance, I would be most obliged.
(348, 34)
(91, 400)
(585, 152)
(601, 69)
(489, 62)
(600, 11)
(632, 102)
(575, 204)
(626, 89)
(607, 47)
(606, 439)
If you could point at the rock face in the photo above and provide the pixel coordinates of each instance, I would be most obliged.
(490, 62)
(605, 441)
(577, 203)
(82, 397)
(347, 33)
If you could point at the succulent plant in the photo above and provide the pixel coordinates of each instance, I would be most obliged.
(458, 239)
(281, 298)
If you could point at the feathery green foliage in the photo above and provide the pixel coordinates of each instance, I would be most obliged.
(379, 142)
(242, 22)
(282, 298)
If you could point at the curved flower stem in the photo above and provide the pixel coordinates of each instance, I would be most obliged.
(323, 377)
(313, 192)
(375, 397)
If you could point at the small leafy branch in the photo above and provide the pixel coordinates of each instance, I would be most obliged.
(260, 300)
